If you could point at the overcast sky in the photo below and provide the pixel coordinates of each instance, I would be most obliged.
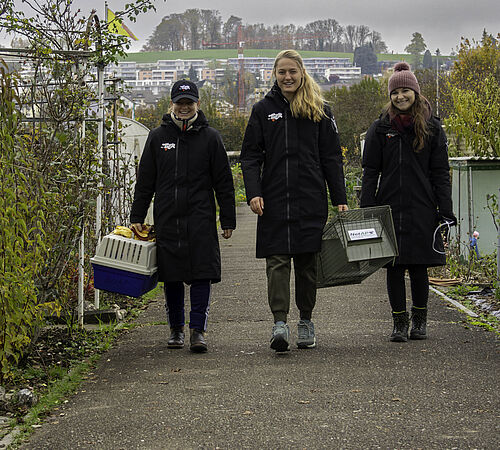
(442, 23)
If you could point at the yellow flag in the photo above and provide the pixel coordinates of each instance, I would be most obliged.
(116, 26)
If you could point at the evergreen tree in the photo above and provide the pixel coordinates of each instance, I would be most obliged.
(192, 74)
(366, 58)
(415, 48)
(427, 63)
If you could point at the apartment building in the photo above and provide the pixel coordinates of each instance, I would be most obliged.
(344, 73)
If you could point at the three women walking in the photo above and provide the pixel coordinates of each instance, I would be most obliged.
(292, 161)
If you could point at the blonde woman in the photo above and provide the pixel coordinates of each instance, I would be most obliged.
(290, 154)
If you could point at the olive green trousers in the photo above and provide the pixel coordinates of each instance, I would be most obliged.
(278, 269)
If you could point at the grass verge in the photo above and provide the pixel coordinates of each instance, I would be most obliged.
(484, 320)
(54, 391)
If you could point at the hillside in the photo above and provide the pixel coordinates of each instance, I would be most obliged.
(151, 57)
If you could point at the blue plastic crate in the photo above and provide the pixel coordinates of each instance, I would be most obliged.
(123, 281)
(125, 266)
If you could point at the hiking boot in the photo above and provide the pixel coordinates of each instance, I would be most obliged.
(418, 323)
(280, 339)
(306, 337)
(401, 323)
(197, 340)
(176, 339)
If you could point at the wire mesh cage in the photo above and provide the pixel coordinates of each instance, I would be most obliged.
(356, 244)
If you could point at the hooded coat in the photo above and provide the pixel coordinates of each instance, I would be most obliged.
(183, 170)
(416, 185)
(289, 162)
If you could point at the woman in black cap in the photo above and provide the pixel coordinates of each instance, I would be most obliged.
(183, 163)
(405, 165)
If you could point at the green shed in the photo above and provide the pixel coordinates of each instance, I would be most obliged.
(473, 178)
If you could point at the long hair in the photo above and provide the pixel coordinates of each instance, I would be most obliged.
(307, 103)
(420, 112)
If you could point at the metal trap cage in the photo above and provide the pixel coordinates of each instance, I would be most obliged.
(356, 244)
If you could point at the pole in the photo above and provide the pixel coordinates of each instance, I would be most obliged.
(81, 260)
(81, 277)
(100, 136)
(100, 147)
(498, 244)
(437, 82)
(241, 71)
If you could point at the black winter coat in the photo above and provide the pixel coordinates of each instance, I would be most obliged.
(286, 161)
(182, 170)
(415, 185)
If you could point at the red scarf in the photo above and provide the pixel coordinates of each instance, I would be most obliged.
(403, 122)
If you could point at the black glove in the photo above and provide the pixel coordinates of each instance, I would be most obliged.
(449, 217)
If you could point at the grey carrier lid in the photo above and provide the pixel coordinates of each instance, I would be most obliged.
(128, 254)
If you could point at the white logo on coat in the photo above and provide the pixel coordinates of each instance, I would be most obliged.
(274, 116)
(166, 146)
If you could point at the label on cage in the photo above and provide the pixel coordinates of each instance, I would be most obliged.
(358, 235)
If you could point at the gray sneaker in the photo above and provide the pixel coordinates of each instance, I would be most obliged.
(306, 336)
(280, 339)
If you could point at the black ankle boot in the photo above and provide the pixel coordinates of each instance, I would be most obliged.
(401, 323)
(418, 323)
(176, 339)
(198, 343)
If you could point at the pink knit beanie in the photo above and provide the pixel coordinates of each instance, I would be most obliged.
(403, 78)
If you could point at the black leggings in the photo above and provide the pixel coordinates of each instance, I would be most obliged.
(419, 282)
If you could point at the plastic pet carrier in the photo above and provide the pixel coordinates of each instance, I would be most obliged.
(356, 244)
(125, 266)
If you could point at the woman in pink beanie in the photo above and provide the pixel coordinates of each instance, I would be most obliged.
(405, 165)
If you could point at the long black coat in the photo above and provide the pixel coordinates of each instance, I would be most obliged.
(286, 161)
(415, 185)
(182, 170)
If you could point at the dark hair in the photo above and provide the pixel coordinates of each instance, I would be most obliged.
(420, 112)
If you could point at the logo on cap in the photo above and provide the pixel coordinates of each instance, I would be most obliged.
(184, 87)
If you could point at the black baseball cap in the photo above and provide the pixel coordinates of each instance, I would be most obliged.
(184, 89)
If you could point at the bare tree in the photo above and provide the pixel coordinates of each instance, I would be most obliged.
(350, 36)
(230, 29)
(211, 25)
(192, 20)
(362, 33)
(379, 46)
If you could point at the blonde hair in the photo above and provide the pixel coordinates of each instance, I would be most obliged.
(420, 113)
(307, 103)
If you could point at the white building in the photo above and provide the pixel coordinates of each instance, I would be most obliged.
(344, 73)
(314, 66)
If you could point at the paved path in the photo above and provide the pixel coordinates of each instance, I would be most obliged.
(356, 390)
